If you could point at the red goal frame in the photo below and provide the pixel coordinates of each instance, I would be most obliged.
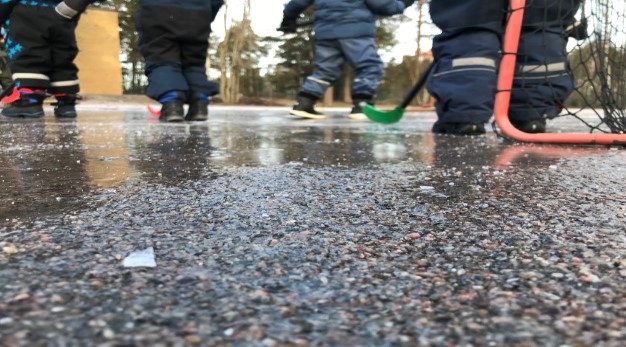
(505, 83)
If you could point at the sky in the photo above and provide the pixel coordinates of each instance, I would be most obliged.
(266, 16)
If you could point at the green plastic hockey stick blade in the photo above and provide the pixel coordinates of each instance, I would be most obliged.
(385, 117)
(397, 113)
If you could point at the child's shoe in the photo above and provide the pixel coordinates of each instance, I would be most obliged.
(65, 107)
(462, 129)
(198, 108)
(533, 126)
(29, 105)
(357, 111)
(172, 107)
(305, 107)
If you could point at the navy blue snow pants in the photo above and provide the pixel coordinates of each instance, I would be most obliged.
(467, 55)
(330, 55)
(174, 43)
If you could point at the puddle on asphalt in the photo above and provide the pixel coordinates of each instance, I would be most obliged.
(49, 162)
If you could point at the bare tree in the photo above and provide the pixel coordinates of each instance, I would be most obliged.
(239, 52)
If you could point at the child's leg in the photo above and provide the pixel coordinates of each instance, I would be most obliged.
(368, 68)
(5, 72)
(543, 78)
(329, 62)
(64, 84)
(158, 43)
(466, 59)
(194, 52)
(29, 61)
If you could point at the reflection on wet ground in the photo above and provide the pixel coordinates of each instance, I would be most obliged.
(269, 231)
(50, 164)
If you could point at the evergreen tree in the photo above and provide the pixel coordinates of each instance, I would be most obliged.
(132, 61)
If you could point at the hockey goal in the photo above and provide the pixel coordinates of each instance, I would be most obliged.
(596, 50)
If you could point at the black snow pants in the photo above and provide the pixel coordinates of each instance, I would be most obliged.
(41, 46)
(174, 43)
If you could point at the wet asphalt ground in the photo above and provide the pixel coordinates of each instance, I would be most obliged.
(270, 231)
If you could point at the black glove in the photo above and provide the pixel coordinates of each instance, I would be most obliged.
(577, 30)
(288, 26)
(408, 3)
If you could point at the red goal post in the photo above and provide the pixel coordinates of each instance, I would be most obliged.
(605, 132)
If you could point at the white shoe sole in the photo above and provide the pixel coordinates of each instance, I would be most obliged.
(303, 114)
(357, 116)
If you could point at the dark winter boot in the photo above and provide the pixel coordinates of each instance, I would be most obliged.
(198, 108)
(463, 129)
(305, 107)
(357, 110)
(172, 107)
(533, 126)
(65, 107)
(30, 104)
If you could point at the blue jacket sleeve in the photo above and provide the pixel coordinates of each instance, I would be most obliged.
(295, 7)
(385, 7)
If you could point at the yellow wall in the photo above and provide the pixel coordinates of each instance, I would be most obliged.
(100, 71)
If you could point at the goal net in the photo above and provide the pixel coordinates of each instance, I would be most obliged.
(589, 85)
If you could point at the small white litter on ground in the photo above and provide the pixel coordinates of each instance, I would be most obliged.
(143, 258)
